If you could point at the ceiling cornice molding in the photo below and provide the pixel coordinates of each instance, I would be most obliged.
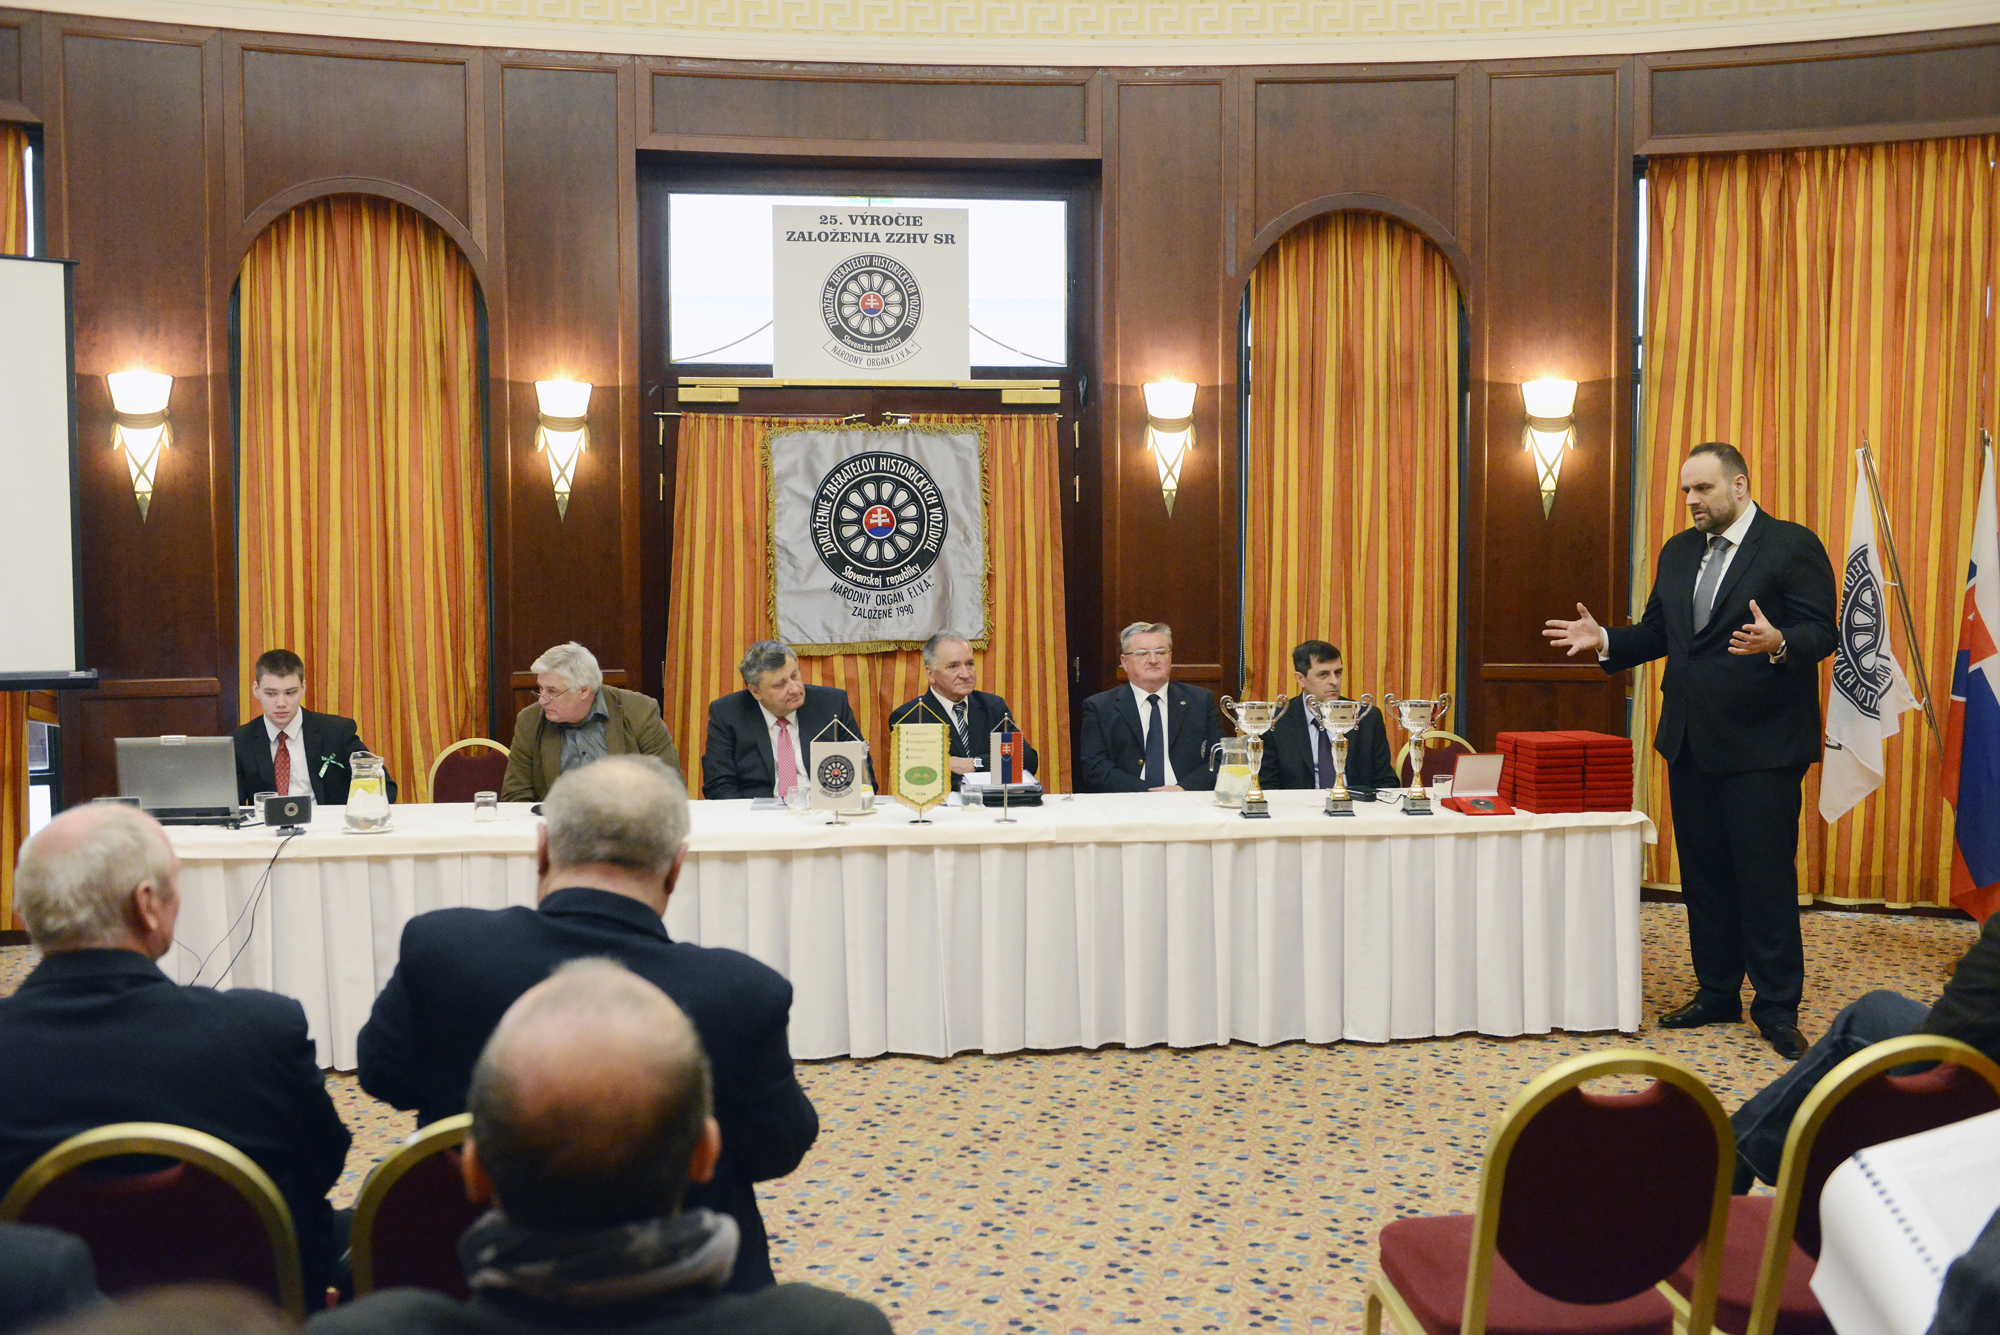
(833, 30)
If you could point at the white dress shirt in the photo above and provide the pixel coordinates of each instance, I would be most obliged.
(778, 738)
(1166, 735)
(293, 736)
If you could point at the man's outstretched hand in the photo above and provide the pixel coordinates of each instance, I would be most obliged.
(1578, 636)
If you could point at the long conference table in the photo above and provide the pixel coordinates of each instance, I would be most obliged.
(1134, 919)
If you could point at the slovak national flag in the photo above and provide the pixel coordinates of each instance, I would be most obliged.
(1972, 730)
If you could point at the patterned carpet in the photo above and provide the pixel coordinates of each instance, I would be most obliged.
(1216, 1189)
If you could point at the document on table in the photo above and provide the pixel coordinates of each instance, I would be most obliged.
(1895, 1216)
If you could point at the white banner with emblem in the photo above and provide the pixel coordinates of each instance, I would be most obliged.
(878, 535)
(863, 293)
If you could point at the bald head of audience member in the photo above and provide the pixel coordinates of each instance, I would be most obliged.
(100, 877)
(620, 825)
(590, 1105)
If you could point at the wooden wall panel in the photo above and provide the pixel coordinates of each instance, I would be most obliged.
(92, 722)
(1760, 95)
(873, 110)
(10, 64)
(563, 578)
(308, 117)
(1167, 205)
(1558, 181)
(1390, 137)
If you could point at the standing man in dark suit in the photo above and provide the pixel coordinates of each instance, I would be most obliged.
(1298, 753)
(972, 714)
(576, 719)
(760, 738)
(609, 851)
(1152, 734)
(1742, 609)
(293, 751)
(97, 1034)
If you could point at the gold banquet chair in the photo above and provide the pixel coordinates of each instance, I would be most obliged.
(1773, 1241)
(212, 1216)
(1439, 746)
(1586, 1201)
(411, 1212)
(457, 773)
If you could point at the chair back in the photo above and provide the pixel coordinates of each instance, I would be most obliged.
(463, 769)
(212, 1216)
(1859, 1103)
(411, 1212)
(1441, 752)
(1593, 1198)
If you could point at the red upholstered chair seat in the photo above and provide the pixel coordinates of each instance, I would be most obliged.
(1426, 1260)
(1742, 1257)
(464, 768)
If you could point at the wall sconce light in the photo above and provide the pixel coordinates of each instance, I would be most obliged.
(563, 432)
(1549, 431)
(139, 413)
(1169, 431)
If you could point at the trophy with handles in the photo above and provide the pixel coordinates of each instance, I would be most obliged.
(1339, 717)
(1418, 717)
(1253, 718)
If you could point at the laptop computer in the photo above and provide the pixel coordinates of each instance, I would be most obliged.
(180, 780)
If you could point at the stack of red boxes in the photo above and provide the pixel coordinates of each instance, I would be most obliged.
(1566, 771)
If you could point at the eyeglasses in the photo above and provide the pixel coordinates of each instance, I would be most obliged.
(554, 692)
(1150, 655)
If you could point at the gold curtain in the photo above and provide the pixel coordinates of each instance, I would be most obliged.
(1797, 301)
(13, 704)
(720, 580)
(362, 533)
(1352, 486)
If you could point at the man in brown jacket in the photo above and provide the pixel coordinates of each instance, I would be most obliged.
(576, 719)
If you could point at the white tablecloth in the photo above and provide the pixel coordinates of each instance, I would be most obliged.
(1135, 919)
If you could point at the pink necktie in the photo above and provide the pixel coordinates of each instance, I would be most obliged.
(788, 769)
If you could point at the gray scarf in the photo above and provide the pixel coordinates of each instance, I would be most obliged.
(642, 1259)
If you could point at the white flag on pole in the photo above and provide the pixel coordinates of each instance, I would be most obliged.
(1869, 692)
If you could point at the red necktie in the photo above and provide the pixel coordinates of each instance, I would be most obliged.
(788, 769)
(281, 761)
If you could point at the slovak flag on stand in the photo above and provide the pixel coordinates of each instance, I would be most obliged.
(1972, 729)
(1006, 764)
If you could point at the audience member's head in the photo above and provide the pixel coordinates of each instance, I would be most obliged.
(590, 1104)
(99, 877)
(181, 1309)
(617, 824)
(566, 682)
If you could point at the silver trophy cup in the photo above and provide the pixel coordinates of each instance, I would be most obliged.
(1253, 718)
(1418, 717)
(1339, 717)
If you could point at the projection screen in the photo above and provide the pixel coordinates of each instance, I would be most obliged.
(41, 640)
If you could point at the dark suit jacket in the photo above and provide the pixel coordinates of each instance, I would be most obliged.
(738, 761)
(632, 726)
(461, 968)
(100, 1036)
(1288, 752)
(983, 712)
(44, 1274)
(1737, 712)
(1111, 747)
(322, 735)
(786, 1309)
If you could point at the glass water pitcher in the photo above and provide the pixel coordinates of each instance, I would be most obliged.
(367, 792)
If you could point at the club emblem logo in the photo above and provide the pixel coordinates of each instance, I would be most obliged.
(1861, 670)
(879, 521)
(835, 775)
(872, 307)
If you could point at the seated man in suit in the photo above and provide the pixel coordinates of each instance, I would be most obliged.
(609, 852)
(760, 738)
(972, 714)
(1152, 734)
(290, 750)
(591, 1119)
(576, 719)
(97, 1034)
(1298, 753)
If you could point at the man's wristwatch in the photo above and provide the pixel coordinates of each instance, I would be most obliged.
(1779, 657)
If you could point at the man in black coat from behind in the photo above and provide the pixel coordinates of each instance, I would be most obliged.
(610, 848)
(97, 1034)
(590, 1122)
(1298, 753)
(316, 746)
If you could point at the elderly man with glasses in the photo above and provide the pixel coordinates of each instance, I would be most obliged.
(576, 719)
(1152, 734)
